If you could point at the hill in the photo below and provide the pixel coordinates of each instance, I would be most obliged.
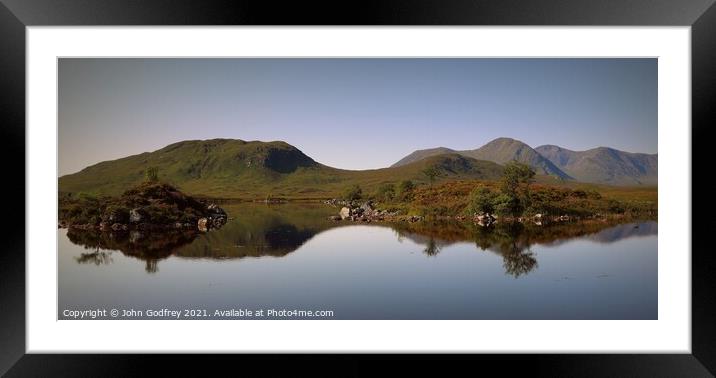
(604, 165)
(230, 168)
(504, 150)
(422, 154)
(500, 151)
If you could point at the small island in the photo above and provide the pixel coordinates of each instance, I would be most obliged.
(151, 205)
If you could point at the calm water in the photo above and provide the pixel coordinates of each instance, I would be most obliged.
(290, 257)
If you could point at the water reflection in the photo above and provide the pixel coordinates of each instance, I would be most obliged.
(98, 257)
(260, 230)
(147, 246)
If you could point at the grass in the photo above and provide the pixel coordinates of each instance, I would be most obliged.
(452, 198)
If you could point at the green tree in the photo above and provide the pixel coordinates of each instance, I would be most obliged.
(151, 174)
(516, 181)
(431, 173)
(405, 190)
(482, 200)
(385, 193)
(506, 205)
(353, 193)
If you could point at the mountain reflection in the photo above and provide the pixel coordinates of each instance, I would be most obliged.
(260, 230)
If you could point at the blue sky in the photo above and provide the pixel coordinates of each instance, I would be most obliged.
(353, 113)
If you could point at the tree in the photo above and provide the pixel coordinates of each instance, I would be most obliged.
(151, 174)
(506, 205)
(354, 193)
(516, 181)
(385, 193)
(431, 173)
(405, 190)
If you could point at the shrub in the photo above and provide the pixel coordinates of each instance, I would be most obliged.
(385, 193)
(431, 173)
(615, 207)
(579, 193)
(353, 193)
(151, 174)
(481, 200)
(115, 214)
(506, 205)
(405, 190)
(593, 194)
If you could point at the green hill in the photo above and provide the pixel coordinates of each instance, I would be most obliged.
(230, 168)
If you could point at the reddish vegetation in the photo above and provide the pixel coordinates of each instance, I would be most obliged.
(451, 198)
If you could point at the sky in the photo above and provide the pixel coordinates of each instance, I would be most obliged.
(354, 113)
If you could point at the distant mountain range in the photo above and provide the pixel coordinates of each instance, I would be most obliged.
(500, 151)
(604, 165)
(600, 165)
(233, 168)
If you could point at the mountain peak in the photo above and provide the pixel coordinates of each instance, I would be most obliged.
(503, 150)
(504, 140)
(422, 154)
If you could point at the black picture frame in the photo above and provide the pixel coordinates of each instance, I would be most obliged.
(16, 15)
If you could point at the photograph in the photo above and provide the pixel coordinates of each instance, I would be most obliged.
(357, 188)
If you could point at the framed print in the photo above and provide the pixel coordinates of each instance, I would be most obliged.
(478, 178)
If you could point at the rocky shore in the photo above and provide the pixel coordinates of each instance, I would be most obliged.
(365, 212)
(368, 212)
(149, 206)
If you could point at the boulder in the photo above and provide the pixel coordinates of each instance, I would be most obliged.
(218, 222)
(203, 224)
(345, 213)
(367, 206)
(215, 210)
(135, 216)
